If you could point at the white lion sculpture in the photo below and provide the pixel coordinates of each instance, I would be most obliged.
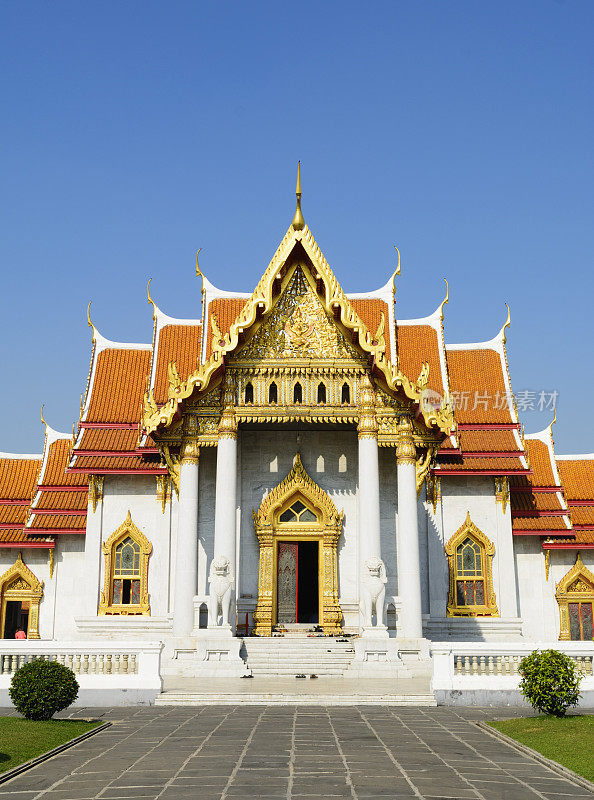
(373, 591)
(220, 579)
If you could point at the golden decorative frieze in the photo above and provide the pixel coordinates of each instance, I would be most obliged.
(228, 422)
(423, 465)
(95, 490)
(502, 491)
(163, 491)
(339, 314)
(173, 463)
(433, 490)
(367, 427)
(406, 452)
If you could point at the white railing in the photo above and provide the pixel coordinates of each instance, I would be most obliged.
(493, 665)
(131, 668)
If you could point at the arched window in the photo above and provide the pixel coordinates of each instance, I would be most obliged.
(126, 555)
(470, 554)
(321, 392)
(575, 596)
(273, 393)
(297, 394)
(345, 395)
(249, 393)
(298, 512)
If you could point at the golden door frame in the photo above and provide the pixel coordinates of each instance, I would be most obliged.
(326, 531)
(20, 584)
(576, 586)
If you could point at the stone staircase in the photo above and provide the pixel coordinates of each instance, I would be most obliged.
(287, 656)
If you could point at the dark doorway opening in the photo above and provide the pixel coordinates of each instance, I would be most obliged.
(308, 598)
(16, 618)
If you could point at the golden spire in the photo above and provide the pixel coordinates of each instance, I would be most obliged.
(506, 325)
(43, 422)
(446, 299)
(89, 320)
(298, 221)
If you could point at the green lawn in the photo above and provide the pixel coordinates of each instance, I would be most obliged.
(22, 739)
(569, 740)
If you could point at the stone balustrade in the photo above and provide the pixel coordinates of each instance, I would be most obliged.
(108, 673)
(486, 673)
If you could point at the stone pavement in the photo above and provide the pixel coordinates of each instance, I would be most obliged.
(305, 753)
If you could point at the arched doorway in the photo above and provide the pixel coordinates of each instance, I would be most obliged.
(20, 593)
(298, 527)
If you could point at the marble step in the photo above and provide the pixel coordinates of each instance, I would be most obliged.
(290, 698)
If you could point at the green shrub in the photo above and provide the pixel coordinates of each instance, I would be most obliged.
(550, 681)
(40, 689)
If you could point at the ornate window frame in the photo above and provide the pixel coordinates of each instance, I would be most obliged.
(576, 586)
(19, 583)
(106, 606)
(326, 530)
(470, 531)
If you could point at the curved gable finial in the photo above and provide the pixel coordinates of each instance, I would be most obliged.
(298, 481)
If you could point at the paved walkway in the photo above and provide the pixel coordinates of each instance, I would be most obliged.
(305, 753)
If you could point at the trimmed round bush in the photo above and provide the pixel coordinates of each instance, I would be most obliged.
(40, 689)
(550, 681)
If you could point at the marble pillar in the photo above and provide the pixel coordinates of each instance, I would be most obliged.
(186, 559)
(409, 573)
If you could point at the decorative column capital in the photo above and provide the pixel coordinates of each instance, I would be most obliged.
(367, 427)
(190, 451)
(228, 423)
(405, 449)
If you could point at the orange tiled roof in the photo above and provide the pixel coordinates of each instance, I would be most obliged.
(58, 522)
(13, 515)
(14, 535)
(108, 439)
(106, 464)
(537, 501)
(55, 471)
(179, 343)
(489, 441)
(119, 384)
(499, 466)
(578, 477)
(72, 501)
(415, 344)
(18, 477)
(370, 311)
(476, 375)
(540, 524)
(225, 310)
(582, 515)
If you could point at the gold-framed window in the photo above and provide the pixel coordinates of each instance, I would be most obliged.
(125, 589)
(470, 555)
(575, 596)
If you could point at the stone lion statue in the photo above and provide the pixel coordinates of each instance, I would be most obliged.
(221, 581)
(373, 591)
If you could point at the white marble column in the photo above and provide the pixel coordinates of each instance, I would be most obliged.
(225, 545)
(409, 573)
(186, 559)
(370, 551)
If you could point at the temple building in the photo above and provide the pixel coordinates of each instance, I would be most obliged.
(297, 462)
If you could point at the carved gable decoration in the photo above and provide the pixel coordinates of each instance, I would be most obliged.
(578, 580)
(298, 327)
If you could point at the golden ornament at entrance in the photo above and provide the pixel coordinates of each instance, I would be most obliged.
(316, 520)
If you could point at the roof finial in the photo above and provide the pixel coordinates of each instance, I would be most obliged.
(89, 320)
(298, 221)
(198, 270)
(554, 418)
(43, 422)
(446, 299)
(398, 264)
(506, 324)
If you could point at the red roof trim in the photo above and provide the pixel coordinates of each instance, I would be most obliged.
(535, 489)
(75, 512)
(98, 471)
(494, 453)
(47, 545)
(11, 526)
(50, 488)
(568, 546)
(54, 531)
(551, 532)
(571, 502)
(14, 502)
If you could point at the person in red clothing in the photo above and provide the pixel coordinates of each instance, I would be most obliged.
(20, 634)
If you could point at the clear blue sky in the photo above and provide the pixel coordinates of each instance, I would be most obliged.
(133, 133)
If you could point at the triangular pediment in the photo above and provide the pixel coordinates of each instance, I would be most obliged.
(298, 327)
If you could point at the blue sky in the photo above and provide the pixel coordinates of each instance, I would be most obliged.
(134, 133)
